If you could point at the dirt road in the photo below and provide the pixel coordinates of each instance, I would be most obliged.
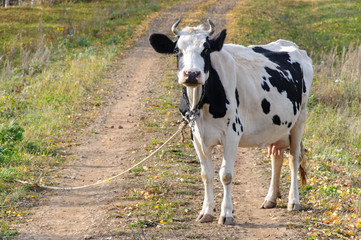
(84, 214)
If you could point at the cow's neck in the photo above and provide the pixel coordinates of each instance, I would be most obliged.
(194, 97)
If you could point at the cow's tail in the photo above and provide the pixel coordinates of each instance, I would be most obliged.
(302, 169)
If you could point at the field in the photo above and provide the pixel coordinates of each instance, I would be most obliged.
(330, 32)
(52, 64)
(54, 81)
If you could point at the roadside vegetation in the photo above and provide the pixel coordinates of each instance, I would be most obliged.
(53, 60)
(330, 32)
(52, 82)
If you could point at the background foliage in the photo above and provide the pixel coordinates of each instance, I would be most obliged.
(52, 63)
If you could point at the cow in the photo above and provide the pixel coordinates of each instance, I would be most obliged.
(239, 96)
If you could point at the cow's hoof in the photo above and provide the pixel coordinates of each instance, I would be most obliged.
(226, 220)
(204, 218)
(268, 204)
(293, 207)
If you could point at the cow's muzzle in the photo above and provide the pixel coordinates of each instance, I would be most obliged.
(192, 78)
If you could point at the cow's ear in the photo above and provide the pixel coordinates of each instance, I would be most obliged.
(218, 40)
(161, 43)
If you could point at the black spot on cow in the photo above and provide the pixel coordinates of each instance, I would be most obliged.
(228, 120)
(289, 125)
(280, 78)
(234, 127)
(212, 45)
(237, 120)
(241, 127)
(304, 86)
(215, 95)
(276, 120)
(237, 97)
(284, 123)
(295, 96)
(266, 106)
(265, 86)
(184, 102)
(205, 54)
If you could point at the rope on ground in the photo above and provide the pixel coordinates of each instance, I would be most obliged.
(182, 126)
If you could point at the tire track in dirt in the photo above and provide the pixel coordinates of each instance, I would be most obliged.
(84, 214)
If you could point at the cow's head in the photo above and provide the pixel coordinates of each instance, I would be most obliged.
(193, 49)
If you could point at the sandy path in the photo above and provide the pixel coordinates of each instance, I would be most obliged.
(84, 214)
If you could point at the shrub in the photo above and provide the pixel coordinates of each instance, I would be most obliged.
(10, 135)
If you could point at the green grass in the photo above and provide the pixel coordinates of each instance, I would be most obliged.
(158, 193)
(330, 31)
(52, 82)
(314, 25)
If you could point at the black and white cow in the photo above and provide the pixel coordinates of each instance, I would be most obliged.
(253, 96)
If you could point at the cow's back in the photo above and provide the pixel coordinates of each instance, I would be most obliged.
(246, 58)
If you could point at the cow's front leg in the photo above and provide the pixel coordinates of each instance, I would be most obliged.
(226, 176)
(207, 174)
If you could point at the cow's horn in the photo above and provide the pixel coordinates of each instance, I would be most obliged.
(212, 27)
(174, 27)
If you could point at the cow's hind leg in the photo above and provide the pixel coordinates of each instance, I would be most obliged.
(274, 189)
(207, 174)
(226, 176)
(295, 161)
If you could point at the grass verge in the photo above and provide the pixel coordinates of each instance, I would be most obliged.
(53, 81)
(329, 31)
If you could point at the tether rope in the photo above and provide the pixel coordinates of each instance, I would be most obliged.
(180, 129)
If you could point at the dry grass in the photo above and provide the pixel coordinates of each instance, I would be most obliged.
(338, 77)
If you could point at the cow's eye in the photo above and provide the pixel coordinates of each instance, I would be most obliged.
(176, 50)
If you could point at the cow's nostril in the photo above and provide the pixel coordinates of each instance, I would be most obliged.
(190, 74)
